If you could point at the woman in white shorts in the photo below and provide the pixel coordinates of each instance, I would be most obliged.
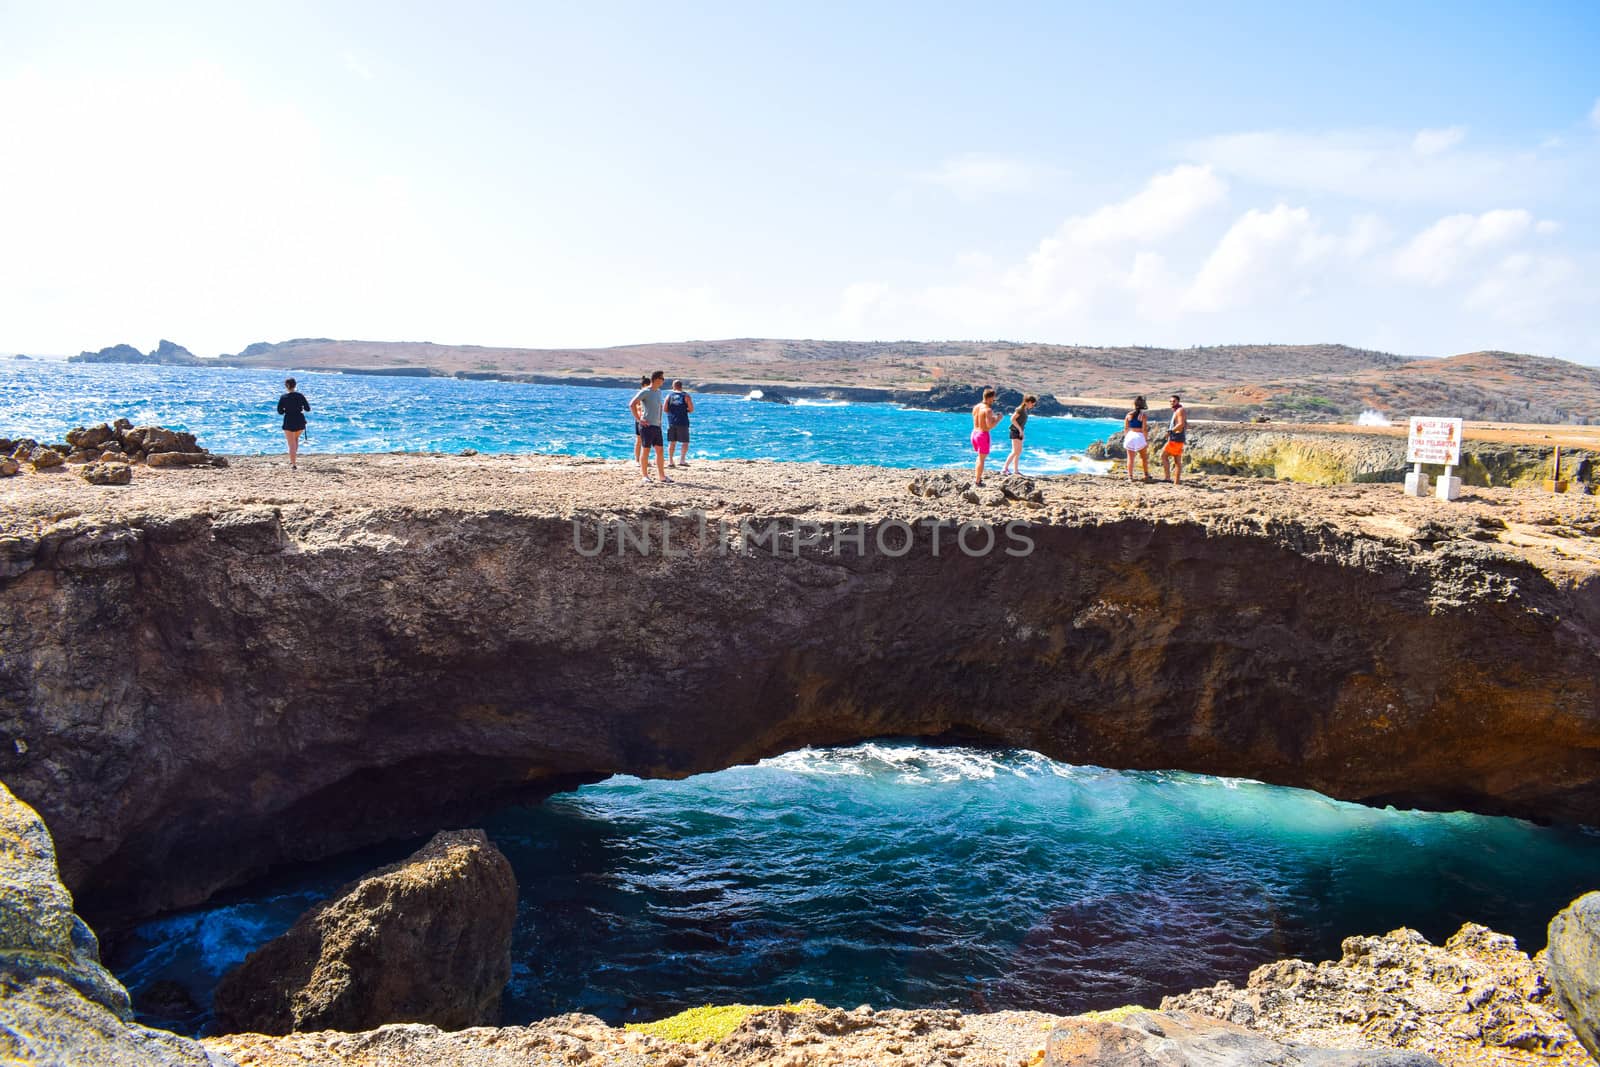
(1136, 436)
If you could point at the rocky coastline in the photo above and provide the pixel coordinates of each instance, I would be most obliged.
(457, 641)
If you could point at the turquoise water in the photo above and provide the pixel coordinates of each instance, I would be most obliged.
(234, 412)
(901, 875)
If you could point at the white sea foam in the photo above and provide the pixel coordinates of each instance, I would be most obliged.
(1370, 417)
(916, 764)
(754, 394)
(821, 403)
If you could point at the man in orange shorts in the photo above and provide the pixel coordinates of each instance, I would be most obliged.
(1177, 433)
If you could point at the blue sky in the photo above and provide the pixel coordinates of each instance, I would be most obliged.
(1415, 177)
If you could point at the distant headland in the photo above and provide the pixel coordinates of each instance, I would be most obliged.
(1300, 383)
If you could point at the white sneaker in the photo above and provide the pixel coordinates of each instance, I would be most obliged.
(664, 478)
(644, 481)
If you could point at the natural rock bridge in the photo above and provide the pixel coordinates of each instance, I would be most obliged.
(210, 672)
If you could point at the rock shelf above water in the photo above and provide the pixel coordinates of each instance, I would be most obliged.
(209, 672)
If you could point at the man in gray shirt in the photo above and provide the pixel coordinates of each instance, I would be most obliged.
(646, 408)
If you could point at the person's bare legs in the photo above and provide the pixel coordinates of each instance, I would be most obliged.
(661, 461)
(638, 446)
(293, 437)
(1144, 460)
(643, 455)
(1177, 469)
(1166, 465)
(1130, 465)
(978, 478)
(1012, 463)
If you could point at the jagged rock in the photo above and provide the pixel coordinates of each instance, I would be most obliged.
(425, 940)
(984, 496)
(58, 1005)
(160, 439)
(23, 447)
(1573, 959)
(6, 445)
(45, 458)
(1016, 487)
(950, 397)
(937, 484)
(8, 466)
(107, 473)
(83, 455)
(122, 424)
(1179, 1039)
(184, 459)
(93, 437)
(1477, 990)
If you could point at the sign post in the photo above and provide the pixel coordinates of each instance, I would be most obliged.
(1433, 440)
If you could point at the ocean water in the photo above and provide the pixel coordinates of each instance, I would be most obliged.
(233, 411)
(901, 875)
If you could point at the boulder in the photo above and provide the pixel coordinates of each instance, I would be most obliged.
(45, 458)
(937, 484)
(6, 445)
(426, 940)
(184, 459)
(8, 466)
(1573, 960)
(984, 496)
(1179, 1039)
(59, 1004)
(22, 448)
(107, 473)
(1016, 487)
(93, 437)
(161, 439)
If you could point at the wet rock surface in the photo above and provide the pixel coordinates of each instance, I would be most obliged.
(456, 641)
(426, 940)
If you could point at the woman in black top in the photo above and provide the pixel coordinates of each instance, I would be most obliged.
(293, 407)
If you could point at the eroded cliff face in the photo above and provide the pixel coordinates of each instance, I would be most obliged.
(204, 677)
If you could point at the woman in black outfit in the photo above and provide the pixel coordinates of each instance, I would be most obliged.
(293, 407)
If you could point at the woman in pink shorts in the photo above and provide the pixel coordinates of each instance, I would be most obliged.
(984, 419)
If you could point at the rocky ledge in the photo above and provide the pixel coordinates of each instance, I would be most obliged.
(208, 672)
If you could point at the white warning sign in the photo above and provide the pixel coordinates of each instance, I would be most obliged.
(1434, 441)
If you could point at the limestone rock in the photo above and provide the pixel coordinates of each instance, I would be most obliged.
(107, 473)
(45, 458)
(1178, 1039)
(984, 495)
(160, 439)
(8, 466)
(93, 437)
(936, 484)
(1574, 962)
(427, 940)
(1477, 990)
(22, 448)
(1016, 487)
(58, 1005)
(184, 459)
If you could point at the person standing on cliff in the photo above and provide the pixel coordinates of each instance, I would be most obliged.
(1019, 426)
(678, 404)
(293, 407)
(638, 427)
(646, 408)
(984, 419)
(1177, 435)
(1136, 436)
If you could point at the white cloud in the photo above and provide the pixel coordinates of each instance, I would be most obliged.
(1166, 203)
(1433, 142)
(976, 174)
(1378, 165)
(1547, 226)
(1437, 254)
(1258, 245)
(1525, 288)
(860, 301)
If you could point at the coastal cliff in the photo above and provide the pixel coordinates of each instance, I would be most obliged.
(209, 672)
